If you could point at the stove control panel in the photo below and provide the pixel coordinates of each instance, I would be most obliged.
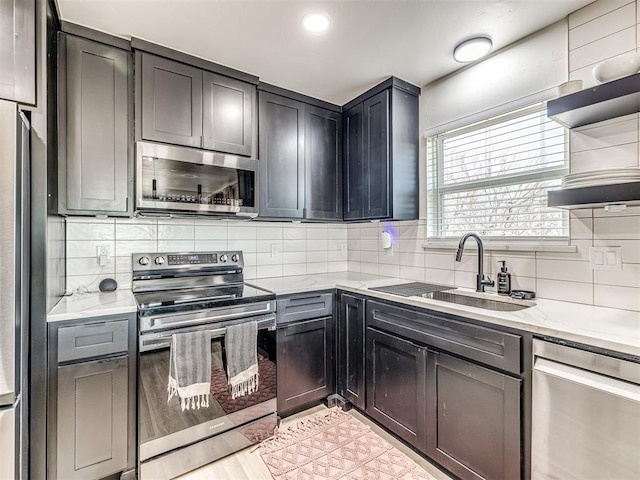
(164, 261)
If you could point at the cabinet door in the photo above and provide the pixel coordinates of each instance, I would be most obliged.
(92, 418)
(323, 162)
(376, 156)
(396, 385)
(305, 362)
(351, 349)
(171, 102)
(18, 51)
(94, 127)
(228, 109)
(474, 419)
(281, 156)
(353, 149)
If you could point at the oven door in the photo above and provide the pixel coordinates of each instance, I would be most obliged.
(163, 426)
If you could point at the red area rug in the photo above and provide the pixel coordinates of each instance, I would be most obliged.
(336, 446)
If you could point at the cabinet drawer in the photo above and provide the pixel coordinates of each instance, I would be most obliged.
(92, 340)
(485, 345)
(302, 307)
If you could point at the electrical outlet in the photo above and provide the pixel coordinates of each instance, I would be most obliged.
(343, 248)
(103, 255)
(275, 250)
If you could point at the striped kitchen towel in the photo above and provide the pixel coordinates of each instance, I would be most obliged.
(241, 345)
(190, 369)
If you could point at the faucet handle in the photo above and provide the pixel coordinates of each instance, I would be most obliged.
(487, 281)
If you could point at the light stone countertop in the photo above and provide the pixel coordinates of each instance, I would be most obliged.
(607, 328)
(94, 304)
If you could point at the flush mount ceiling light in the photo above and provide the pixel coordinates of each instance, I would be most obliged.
(472, 49)
(316, 22)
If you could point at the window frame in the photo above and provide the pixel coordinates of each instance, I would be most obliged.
(436, 190)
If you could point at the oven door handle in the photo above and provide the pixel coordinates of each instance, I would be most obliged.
(156, 341)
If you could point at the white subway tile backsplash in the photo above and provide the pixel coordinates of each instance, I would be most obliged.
(416, 260)
(630, 248)
(294, 257)
(627, 298)
(176, 232)
(581, 228)
(602, 26)
(629, 276)
(629, 211)
(294, 245)
(389, 270)
(294, 269)
(565, 291)
(129, 247)
(617, 156)
(88, 248)
(135, 231)
(184, 246)
(442, 260)
(317, 267)
(88, 266)
(444, 277)
(603, 48)
(241, 231)
(595, 10)
(268, 232)
(90, 231)
(568, 270)
(412, 273)
(210, 245)
(266, 271)
(212, 231)
(617, 228)
(618, 131)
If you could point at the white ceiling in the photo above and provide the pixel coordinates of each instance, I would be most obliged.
(369, 40)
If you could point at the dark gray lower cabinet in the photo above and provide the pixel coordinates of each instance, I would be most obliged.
(351, 349)
(305, 362)
(92, 418)
(474, 419)
(396, 385)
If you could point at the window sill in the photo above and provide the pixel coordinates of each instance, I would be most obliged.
(502, 247)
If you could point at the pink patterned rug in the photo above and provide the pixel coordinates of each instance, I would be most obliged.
(336, 446)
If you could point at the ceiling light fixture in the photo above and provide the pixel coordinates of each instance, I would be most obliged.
(316, 22)
(472, 49)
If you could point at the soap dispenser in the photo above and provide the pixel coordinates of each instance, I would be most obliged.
(504, 279)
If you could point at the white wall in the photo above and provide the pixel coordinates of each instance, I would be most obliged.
(303, 248)
(599, 31)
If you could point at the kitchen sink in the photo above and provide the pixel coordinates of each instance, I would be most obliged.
(479, 300)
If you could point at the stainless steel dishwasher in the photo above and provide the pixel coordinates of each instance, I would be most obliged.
(585, 416)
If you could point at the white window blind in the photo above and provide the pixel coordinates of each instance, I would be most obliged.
(492, 178)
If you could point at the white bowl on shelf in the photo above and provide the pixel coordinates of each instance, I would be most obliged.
(617, 67)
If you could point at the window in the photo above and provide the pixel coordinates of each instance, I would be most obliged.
(492, 178)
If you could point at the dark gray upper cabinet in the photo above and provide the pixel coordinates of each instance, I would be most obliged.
(376, 156)
(381, 153)
(18, 51)
(228, 109)
(94, 122)
(300, 158)
(184, 104)
(281, 156)
(323, 162)
(171, 101)
(353, 169)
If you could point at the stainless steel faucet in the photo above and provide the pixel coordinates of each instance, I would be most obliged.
(481, 280)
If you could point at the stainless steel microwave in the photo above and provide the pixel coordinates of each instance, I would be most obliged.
(187, 180)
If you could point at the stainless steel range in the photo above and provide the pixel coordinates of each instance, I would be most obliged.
(184, 292)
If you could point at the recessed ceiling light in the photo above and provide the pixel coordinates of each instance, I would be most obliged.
(472, 49)
(316, 22)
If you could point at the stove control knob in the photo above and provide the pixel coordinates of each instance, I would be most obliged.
(144, 261)
(234, 257)
(159, 260)
(223, 258)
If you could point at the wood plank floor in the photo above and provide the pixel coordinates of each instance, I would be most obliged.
(248, 465)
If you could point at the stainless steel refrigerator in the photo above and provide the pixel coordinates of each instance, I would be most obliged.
(14, 290)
